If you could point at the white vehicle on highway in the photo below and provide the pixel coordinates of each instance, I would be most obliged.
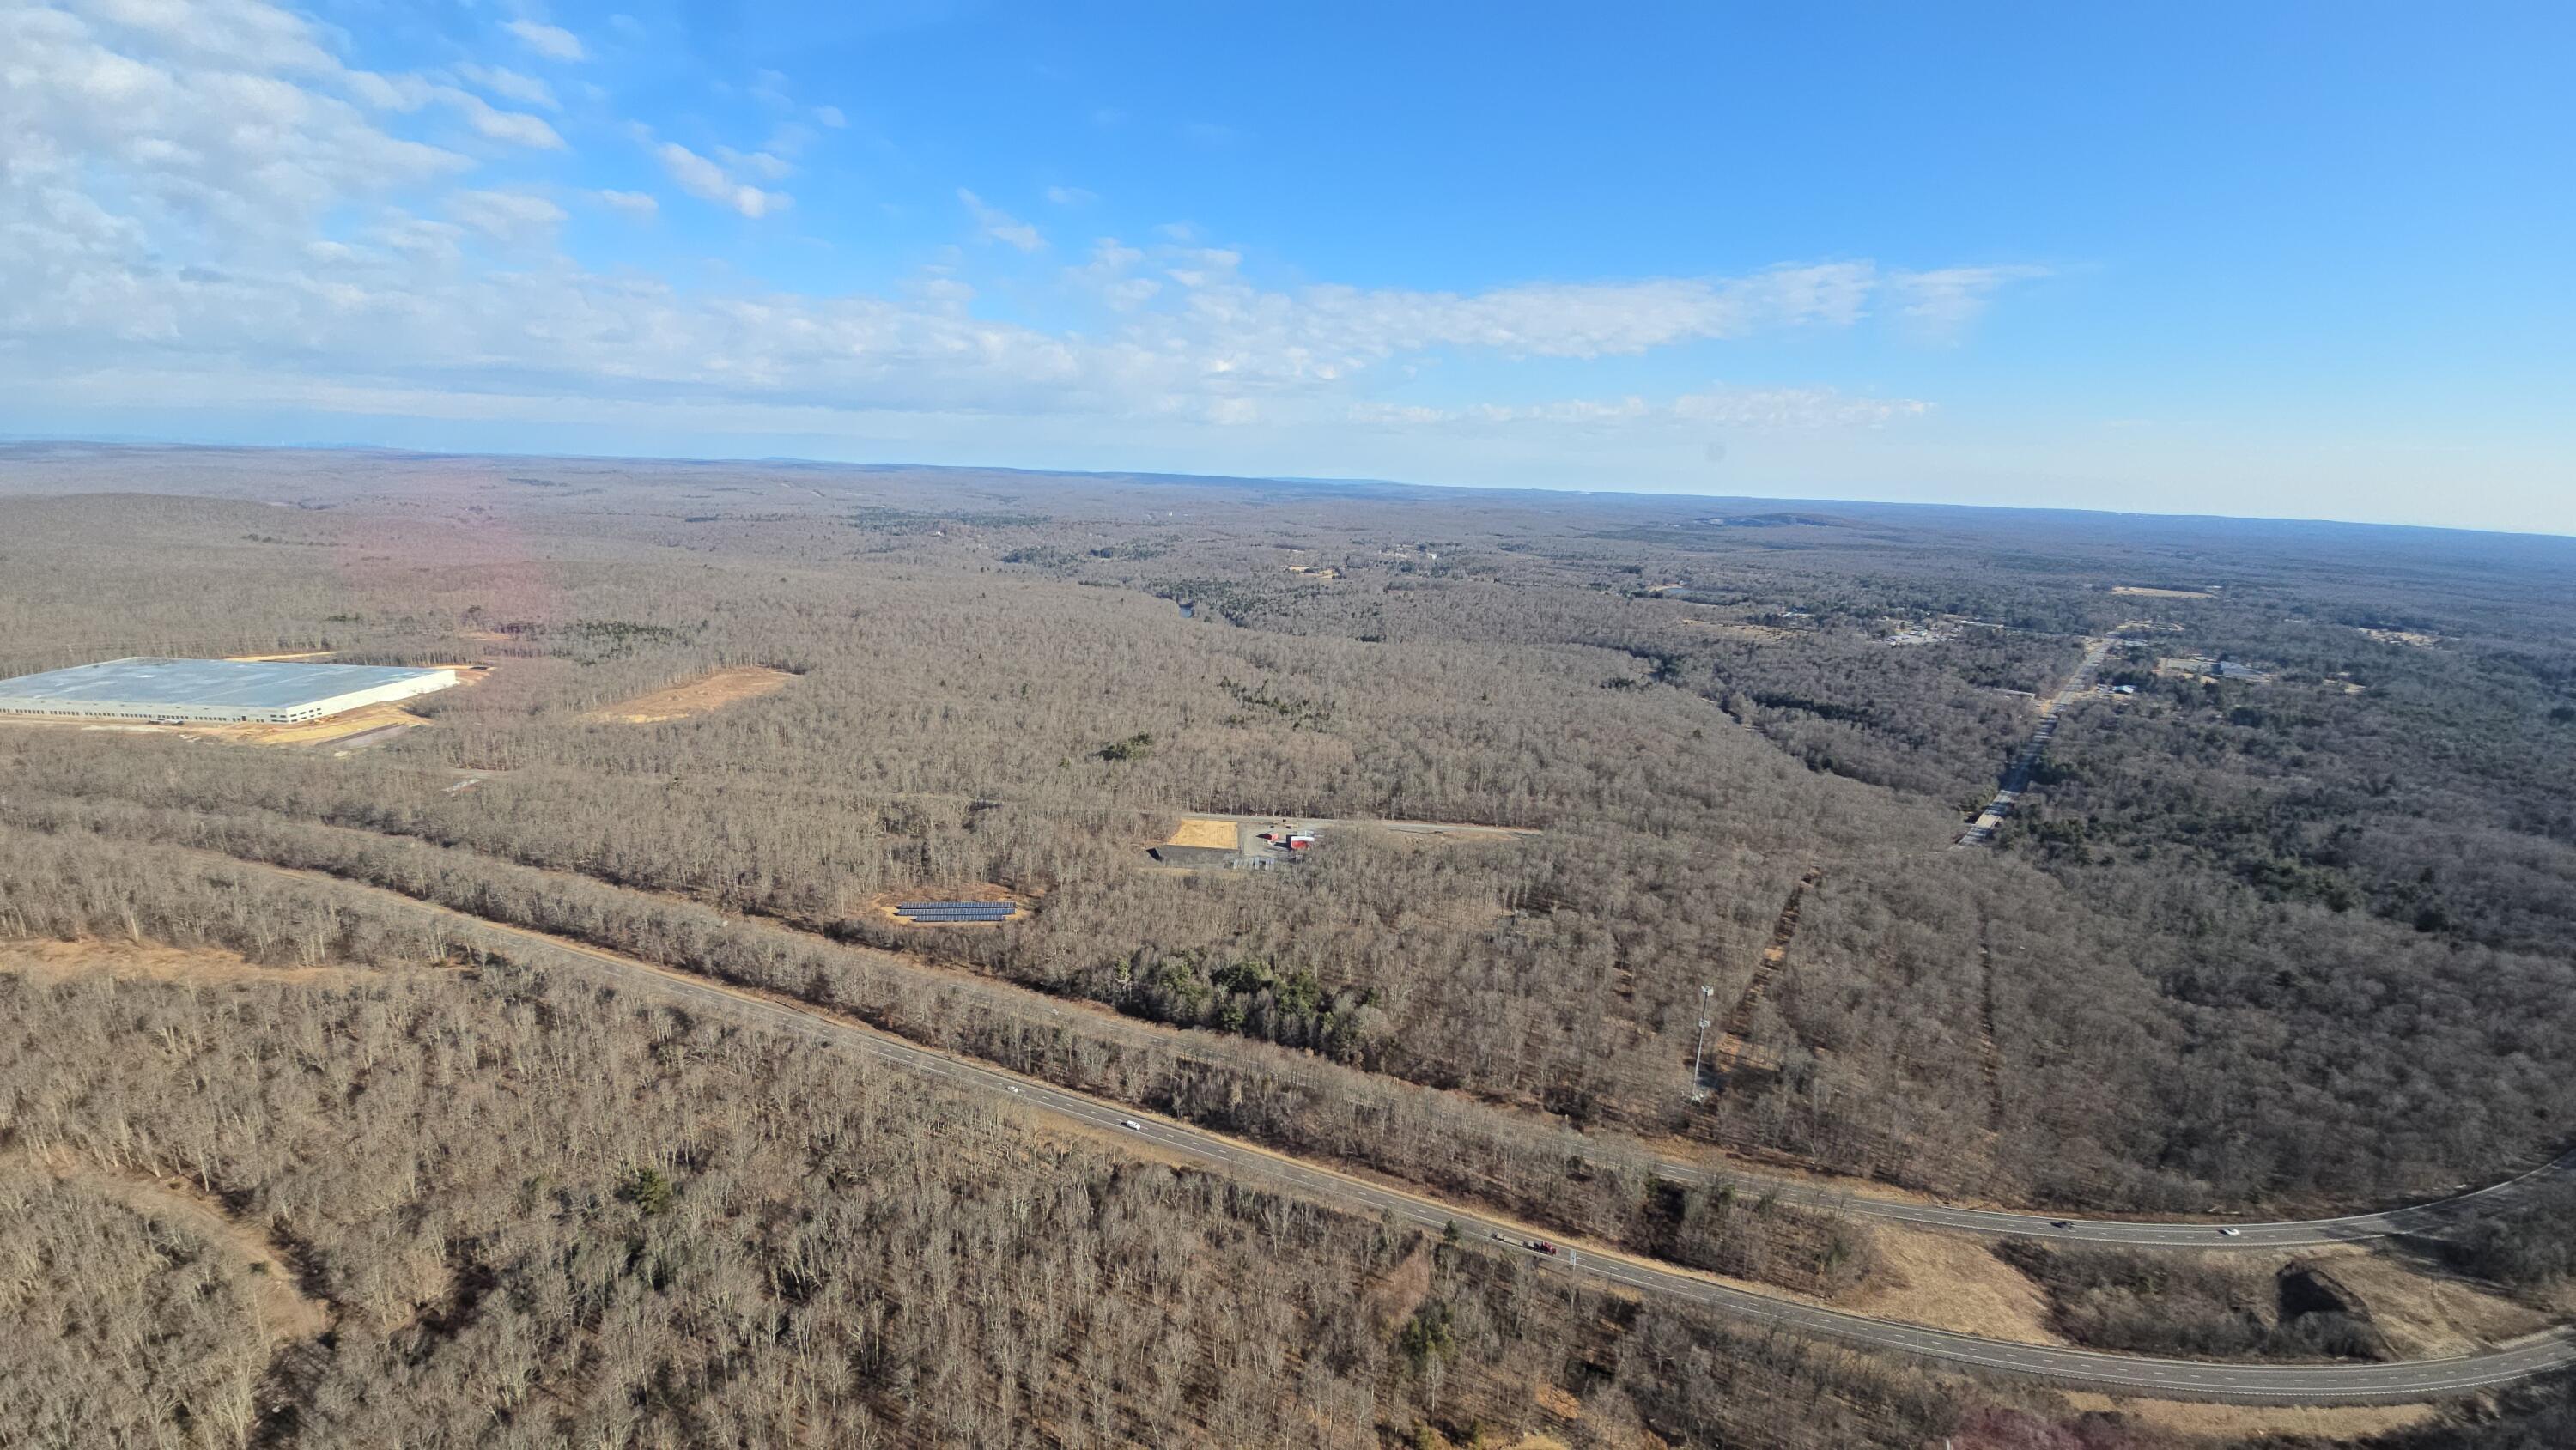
(1131, 1123)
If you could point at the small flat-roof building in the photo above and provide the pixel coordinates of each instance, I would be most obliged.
(256, 691)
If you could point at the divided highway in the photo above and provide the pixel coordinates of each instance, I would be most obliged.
(2121, 1373)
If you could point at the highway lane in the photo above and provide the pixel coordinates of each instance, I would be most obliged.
(2421, 1218)
(2129, 1374)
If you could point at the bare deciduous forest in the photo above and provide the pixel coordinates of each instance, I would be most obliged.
(2287, 929)
(541, 1213)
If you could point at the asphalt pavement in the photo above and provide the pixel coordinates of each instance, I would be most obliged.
(2424, 1218)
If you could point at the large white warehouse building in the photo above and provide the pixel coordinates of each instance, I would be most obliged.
(258, 691)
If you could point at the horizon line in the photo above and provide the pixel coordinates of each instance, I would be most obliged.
(15, 440)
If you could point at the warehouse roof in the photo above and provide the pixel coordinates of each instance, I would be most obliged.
(251, 684)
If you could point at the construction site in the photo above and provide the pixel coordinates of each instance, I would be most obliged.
(175, 691)
(1227, 842)
(252, 701)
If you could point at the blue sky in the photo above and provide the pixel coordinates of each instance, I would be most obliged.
(2294, 260)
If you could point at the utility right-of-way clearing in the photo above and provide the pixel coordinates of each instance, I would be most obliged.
(1981, 832)
(2270, 1384)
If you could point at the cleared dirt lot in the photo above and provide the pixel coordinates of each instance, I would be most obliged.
(697, 697)
(54, 961)
(1212, 840)
(2141, 591)
(1733, 629)
(365, 720)
(1206, 831)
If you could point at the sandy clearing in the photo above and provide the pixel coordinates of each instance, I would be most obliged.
(696, 697)
(1463, 830)
(309, 732)
(329, 729)
(1755, 633)
(2141, 591)
(198, 966)
(317, 654)
(1205, 831)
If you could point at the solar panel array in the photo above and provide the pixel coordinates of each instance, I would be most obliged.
(951, 911)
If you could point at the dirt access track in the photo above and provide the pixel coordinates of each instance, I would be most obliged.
(286, 1312)
(378, 723)
(697, 697)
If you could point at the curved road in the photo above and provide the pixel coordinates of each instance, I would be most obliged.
(2320, 1384)
(2006, 1223)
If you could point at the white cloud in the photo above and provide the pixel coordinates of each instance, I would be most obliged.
(1346, 328)
(401, 235)
(831, 116)
(181, 179)
(1942, 303)
(707, 181)
(757, 163)
(551, 41)
(1715, 408)
(516, 127)
(207, 127)
(1071, 196)
(514, 217)
(509, 85)
(1110, 276)
(220, 37)
(1000, 225)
